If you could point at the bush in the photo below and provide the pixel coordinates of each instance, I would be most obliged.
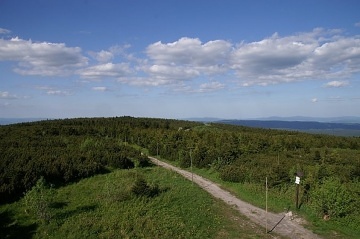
(143, 161)
(141, 188)
(122, 163)
(332, 199)
(185, 162)
(233, 173)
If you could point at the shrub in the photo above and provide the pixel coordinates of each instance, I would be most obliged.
(185, 162)
(233, 173)
(122, 163)
(332, 199)
(38, 200)
(143, 161)
(141, 188)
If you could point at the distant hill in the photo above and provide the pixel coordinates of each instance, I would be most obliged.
(343, 119)
(341, 126)
(6, 121)
(341, 129)
(203, 119)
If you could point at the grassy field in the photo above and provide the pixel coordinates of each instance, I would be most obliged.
(104, 206)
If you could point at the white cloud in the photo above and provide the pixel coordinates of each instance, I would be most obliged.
(105, 70)
(357, 24)
(337, 84)
(54, 91)
(314, 100)
(58, 92)
(189, 51)
(102, 56)
(316, 55)
(45, 59)
(339, 57)
(119, 49)
(100, 88)
(319, 54)
(170, 73)
(212, 86)
(7, 95)
(185, 59)
(106, 56)
(202, 88)
(4, 31)
(142, 81)
(272, 60)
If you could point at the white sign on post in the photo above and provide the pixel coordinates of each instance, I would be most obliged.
(297, 180)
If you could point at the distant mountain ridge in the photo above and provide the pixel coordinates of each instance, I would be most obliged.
(6, 121)
(297, 125)
(340, 126)
(343, 119)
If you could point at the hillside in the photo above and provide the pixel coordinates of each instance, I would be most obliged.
(104, 206)
(66, 152)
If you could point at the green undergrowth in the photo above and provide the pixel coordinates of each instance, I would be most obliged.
(104, 206)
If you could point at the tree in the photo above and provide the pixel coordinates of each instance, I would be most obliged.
(39, 199)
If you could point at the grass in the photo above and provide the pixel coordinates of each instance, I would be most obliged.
(104, 207)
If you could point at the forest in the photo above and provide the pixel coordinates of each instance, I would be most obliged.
(66, 150)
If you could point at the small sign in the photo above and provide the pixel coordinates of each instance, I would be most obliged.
(297, 180)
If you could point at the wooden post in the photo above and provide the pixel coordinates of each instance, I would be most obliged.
(157, 149)
(192, 175)
(297, 182)
(266, 205)
(297, 196)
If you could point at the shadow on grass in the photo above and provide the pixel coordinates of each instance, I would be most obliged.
(63, 215)
(10, 229)
(58, 205)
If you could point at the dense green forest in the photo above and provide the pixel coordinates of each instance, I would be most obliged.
(67, 150)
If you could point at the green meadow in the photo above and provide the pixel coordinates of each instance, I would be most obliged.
(104, 206)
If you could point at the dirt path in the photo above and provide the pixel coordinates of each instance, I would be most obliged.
(287, 226)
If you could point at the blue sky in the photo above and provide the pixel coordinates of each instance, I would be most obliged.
(179, 59)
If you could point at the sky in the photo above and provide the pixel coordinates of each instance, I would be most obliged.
(233, 59)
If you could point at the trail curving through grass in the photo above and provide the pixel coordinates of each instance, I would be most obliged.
(280, 223)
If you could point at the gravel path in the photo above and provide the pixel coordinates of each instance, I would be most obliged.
(287, 225)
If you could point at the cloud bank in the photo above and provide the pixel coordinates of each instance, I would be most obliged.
(316, 55)
(41, 58)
